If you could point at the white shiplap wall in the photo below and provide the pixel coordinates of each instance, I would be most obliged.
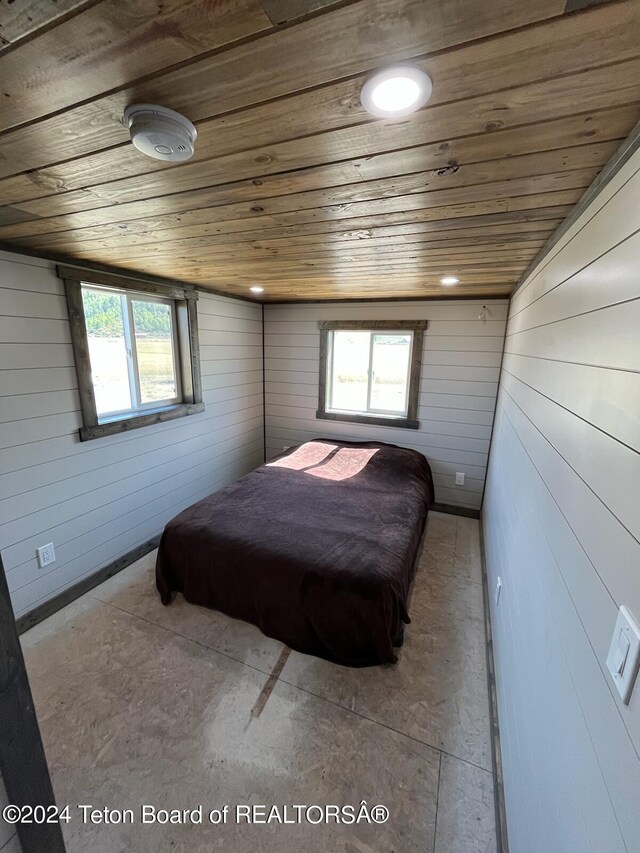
(562, 530)
(99, 499)
(460, 368)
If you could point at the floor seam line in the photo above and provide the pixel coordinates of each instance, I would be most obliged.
(296, 686)
(270, 683)
(184, 637)
(384, 725)
(455, 545)
(435, 824)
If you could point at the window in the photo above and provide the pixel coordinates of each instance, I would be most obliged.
(135, 347)
(132, 350)
(370, 372)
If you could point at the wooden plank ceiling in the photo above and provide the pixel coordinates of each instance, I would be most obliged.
(294, 186)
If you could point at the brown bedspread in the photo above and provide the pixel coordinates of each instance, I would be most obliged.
(317, 548)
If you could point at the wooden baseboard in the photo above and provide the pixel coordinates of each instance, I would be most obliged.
(501, 815)
(452, 509)
(54, 604)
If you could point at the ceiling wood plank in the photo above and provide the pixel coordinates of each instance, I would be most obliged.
(18, 20)
(288, 248)
(124, 40)
(560, 47)
(400, 234)
(575, 5)
(443, 127)
(343, 257)
(466, 211)
(397, 173)
(353, 229)
(280, 11)
(352, 200)
(447, 135)
(371, 277)
(343, 240)
(293, 185)
(355, 39)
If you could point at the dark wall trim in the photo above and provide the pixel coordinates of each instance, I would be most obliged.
(22, 758)
(417, 327)
(628, 148)
(452, 509)
(128, 282)
(373, 325)
(402, 423)
(181, 410)
(495, 412)
(496, 753)
(374, 300)
(43, 611)
(183, 300)
(264, 393)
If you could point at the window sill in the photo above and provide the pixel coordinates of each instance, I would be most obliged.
(374, 420)
(114, 427)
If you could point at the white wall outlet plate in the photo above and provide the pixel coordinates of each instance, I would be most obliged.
(498, 590)
(46, 555)
(624, 654)
(459, 479)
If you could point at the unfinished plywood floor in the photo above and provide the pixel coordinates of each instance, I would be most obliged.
(181, 706)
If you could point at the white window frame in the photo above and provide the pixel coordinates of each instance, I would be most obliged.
(380, 417)
(183, 299)
(370, 410)
(126, 301)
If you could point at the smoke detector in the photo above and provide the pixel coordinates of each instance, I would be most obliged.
(160, 132)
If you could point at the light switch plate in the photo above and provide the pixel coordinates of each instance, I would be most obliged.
(624, 654)
(459, 479)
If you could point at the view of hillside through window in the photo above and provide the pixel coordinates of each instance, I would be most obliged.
(131, 347)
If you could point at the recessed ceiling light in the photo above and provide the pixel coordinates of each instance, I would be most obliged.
(256, 289)
(448, 280)
(395, 92)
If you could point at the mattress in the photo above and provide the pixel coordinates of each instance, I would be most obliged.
(317, 548)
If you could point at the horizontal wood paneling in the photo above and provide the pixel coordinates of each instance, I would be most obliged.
(562, 531)
(532, 54)
(457, 388)
(42, 75)
(529, 101)
(97, 500)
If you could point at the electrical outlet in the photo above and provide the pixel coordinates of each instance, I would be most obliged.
(46, 555)
(498, 590)
(459, 479)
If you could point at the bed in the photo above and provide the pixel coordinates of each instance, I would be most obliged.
(317, 548)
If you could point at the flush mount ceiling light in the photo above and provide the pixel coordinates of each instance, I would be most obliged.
(256, 289)
(395, 92)
(449, 280)
(160, 133)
